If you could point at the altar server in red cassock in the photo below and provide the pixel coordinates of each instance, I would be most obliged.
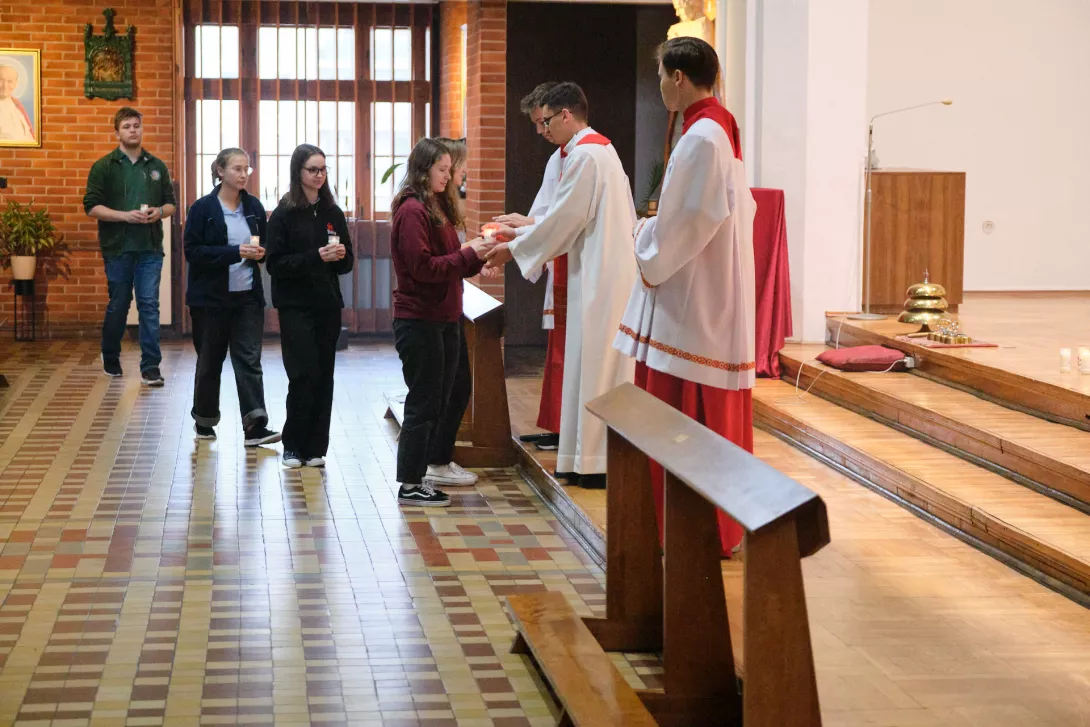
(690, 320)
(588, 230)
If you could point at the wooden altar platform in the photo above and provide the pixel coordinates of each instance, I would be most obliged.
(917, 617)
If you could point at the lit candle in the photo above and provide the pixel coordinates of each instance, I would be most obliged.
(255, 240)
(1065, 360)
(143, 209)
(334, 239)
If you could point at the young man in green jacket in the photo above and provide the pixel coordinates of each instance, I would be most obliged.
(129, 193)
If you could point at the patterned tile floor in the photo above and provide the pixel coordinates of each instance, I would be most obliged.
(147, 579)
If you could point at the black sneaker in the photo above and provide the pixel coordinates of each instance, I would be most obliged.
(256, 436)
(548, 442)
(533, 438)
(111, 366)
(292, 460)
(204, 432)
(422, 495)
(152, 377)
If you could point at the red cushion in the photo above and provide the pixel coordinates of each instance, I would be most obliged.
(861, 358)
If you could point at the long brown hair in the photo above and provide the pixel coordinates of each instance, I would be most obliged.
(296, 198)
(459, 152)
(422, 158)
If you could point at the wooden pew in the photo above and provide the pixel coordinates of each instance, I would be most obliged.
(671, 600)
(485, 433)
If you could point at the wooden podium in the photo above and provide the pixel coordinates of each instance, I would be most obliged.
(919, 224)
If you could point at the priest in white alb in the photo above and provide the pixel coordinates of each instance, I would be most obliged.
(590, 221)
(690, 320)
(554, 315)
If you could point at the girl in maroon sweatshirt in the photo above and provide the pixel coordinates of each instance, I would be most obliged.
(429, 263)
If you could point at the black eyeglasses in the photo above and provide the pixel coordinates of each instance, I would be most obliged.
(546, 120)
(317, 170)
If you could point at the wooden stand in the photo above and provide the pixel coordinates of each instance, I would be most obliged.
(485, 434)
(675, 604)
(919, 224)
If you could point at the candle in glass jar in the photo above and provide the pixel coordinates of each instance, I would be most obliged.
(255, 240)
(1065, 360)
(1084, 359)
(143, 209)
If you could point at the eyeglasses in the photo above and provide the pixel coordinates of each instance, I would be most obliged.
(545, 121)
(317, 170)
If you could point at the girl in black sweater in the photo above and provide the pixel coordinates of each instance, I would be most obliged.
(308, 247)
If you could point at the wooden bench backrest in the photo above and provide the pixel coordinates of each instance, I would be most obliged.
(750, 491)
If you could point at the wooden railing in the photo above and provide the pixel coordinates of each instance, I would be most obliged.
(671, 600)
(484, 438)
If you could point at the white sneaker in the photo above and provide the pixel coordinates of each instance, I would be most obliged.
(450, 475)
(315, 462)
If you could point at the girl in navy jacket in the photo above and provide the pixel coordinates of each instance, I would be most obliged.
(223, 251)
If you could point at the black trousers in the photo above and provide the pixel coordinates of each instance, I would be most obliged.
(215, 331)
(435, 364)
(308, 341)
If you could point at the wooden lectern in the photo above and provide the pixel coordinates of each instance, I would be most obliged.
(919, 224)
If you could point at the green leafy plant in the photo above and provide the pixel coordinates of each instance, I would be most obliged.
(389, 173)
(26, 231)
(654, 181)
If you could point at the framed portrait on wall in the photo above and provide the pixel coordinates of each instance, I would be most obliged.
(20, 97)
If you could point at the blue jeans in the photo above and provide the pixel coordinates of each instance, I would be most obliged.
(139, 271)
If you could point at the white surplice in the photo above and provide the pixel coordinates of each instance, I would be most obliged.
(542, 202)
(591, 220)
(692, 311)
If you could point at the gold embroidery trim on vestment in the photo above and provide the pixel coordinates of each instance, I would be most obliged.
(685, 355)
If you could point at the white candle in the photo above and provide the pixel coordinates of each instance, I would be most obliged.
(255, 240)
(1084, 359)
(334, 239)
(143, 209)
(1065, 360)
(490, 235)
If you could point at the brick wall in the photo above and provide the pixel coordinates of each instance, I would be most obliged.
(486, 108)
(452, 17)
(75, 132)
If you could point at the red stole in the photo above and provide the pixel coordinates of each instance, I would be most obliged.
(22, 110)
(710, 108)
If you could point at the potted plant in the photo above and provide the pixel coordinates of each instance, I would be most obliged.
(24, 232)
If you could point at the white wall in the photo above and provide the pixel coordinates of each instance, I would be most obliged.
(810, 132)
(1017, 72)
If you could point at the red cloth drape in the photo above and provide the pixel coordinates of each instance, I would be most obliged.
(727, 413)
(772, 275)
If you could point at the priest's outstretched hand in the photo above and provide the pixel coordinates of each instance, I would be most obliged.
(499, 256)
(513, 219)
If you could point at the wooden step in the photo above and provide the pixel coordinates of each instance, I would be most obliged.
(1013, 375)
(582, 675)
(1052, 458)
(1033, 531)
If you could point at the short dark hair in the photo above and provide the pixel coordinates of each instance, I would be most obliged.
(532, 100)
(693, 57)
(568, 96)
(126, 112)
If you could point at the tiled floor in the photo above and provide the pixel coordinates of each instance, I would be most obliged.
(146, 579)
